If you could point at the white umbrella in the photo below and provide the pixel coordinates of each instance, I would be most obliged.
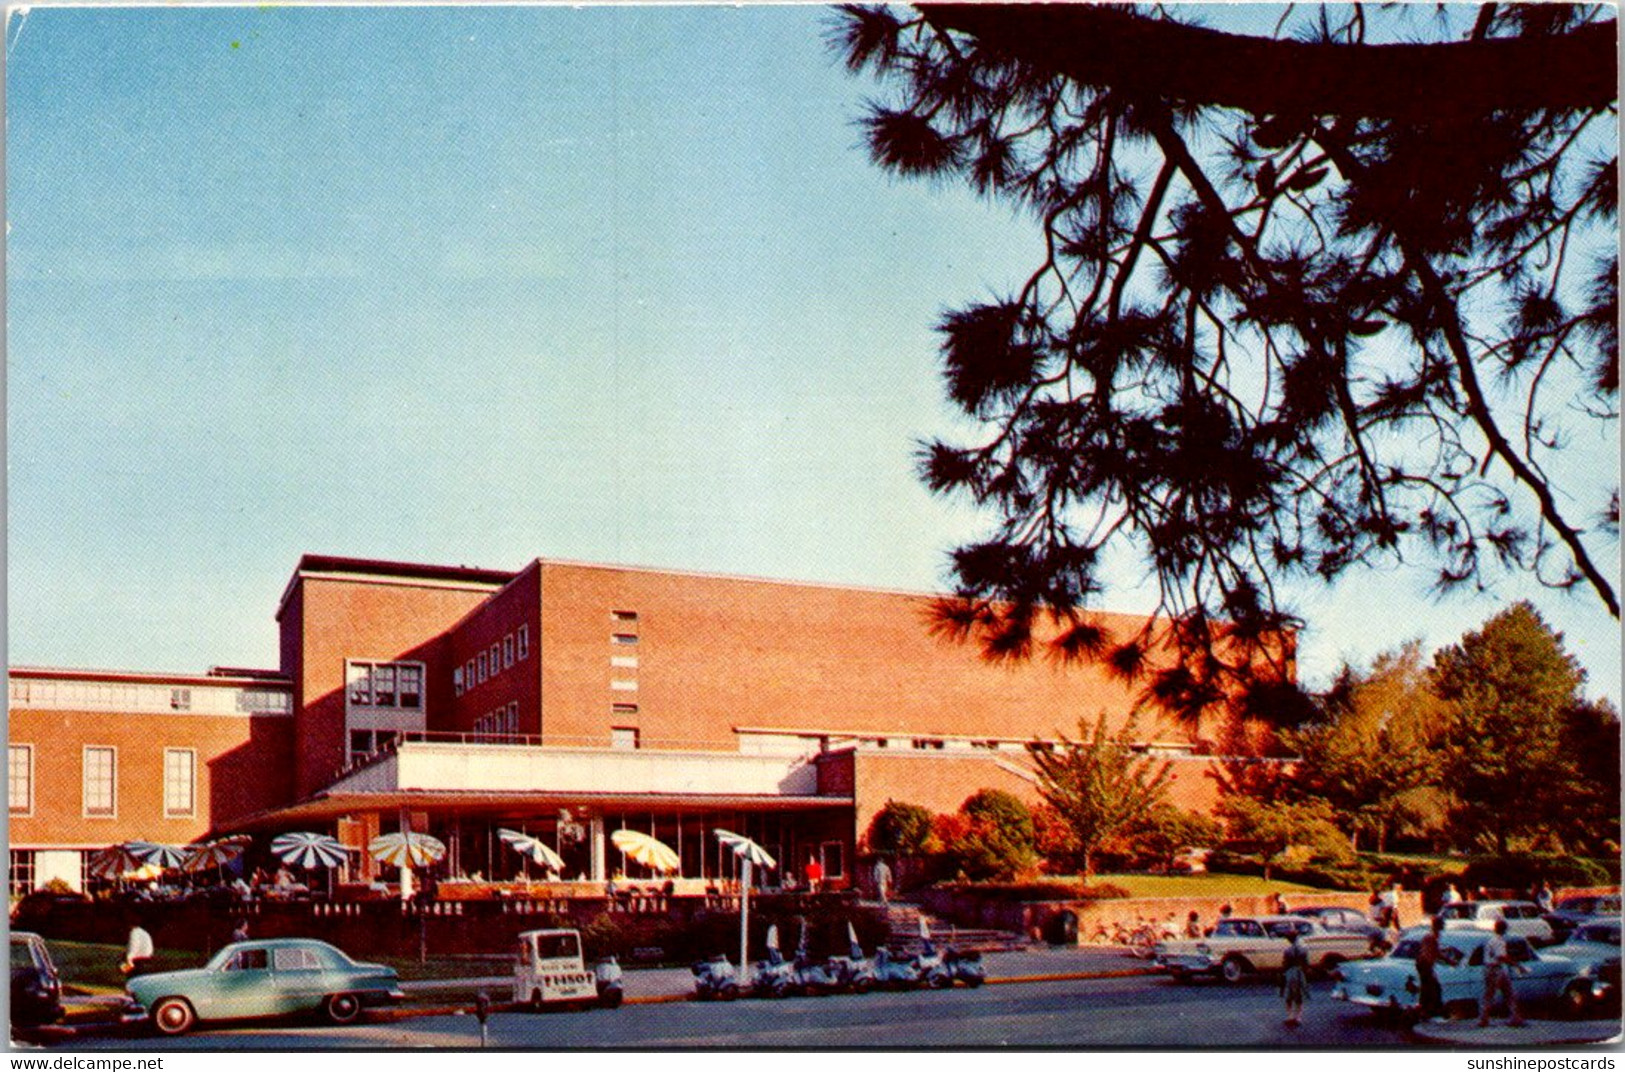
(537, 850)
(165, 856)
(304, 849)
(749, 853)
(646, 850)
(406, 849)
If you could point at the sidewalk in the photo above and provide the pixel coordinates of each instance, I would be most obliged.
(1500, 1036)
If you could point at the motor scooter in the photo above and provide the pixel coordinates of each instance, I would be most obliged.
(774, 977)
(895, 973)
(854, 972)
(811, 977)
(930, 968)
(607, 974)
(965, 967)
(715, 979)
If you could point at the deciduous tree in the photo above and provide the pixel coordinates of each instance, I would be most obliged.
(1099, 784)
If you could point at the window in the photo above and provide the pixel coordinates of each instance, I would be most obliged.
(507, 651)
(180, 699)
(295, 958)
(624, 662)
(100, 782)
(457, 679)
(624, 686)
(482, 668)
(383, 686)
(20, 778)
(180, 781)
(360, 685)
(623, 738)
(522, 641)
(468, 675)
(624, 708)
(22, 872)
(624, 639)
(834, 854)
(496, 659)
(248, 960)
(623, 616)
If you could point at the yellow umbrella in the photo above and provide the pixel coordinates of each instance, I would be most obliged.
(406, 849)
(646, 850)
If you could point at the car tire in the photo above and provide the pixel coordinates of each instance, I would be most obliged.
(1330, 962)
(1233, 969)
(1574, 1002)
(728, 991)
(973, 981)
(1183, 978)
(536, 1002)
(341, 1009)
(611, 998)
(173, 1016)
(861, 986)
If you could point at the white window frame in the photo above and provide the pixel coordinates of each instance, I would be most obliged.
(522, 641)
(507, 651)
(482, 668)
(624, 739)
(170, 810)
(84, 782)
(27, 752)
(496, 658)
(457, 680)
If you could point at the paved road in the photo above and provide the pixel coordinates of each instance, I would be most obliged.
(1099, 1013)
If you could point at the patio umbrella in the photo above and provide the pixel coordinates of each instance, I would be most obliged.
(539, 851)
(304, 849)
(219, 853)
(749, 853)
(165, 856)
(115, 861)
(646, 850)
(406, 849)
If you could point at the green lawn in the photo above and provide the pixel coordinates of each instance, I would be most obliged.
(1206, 885)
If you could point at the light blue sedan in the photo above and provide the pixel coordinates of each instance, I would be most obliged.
(275, 977)
(1391, 984)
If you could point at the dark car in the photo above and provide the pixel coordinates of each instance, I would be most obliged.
(1346, 921)
(36, 988)
(1580, 908)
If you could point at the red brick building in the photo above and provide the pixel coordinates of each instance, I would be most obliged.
(563, 699)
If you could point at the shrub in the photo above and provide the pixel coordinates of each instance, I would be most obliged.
(1519, 871)
(901, 829)
(992, 836)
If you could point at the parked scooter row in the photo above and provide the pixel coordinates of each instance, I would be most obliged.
(856, 973)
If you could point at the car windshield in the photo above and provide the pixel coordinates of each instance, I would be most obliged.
(1284, 928)
(549, 946)
(1407, 949)
(1459, 911)
(24, 954)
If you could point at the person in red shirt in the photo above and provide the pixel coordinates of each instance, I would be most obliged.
(814, 872)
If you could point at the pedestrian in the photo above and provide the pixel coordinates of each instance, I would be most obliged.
(137, 951)
(1451, 894)
(814, 872)
(1277, 904)
(1498, 968)
(1193, 926)
(240, 932)
(1390, 906)
(883, 880)
(1543, 897)
(1430, 1003)
(1295, 978)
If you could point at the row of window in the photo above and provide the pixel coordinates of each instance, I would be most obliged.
(99, 781)
(503, 722)
(127, 696)
(370, 742)
(513, 648)
(393, 685)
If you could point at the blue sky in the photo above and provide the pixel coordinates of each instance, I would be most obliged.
(474, 285)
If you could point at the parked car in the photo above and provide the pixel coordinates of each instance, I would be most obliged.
(1345, 920)
(274, 977)
(1577, 908)
(36, 987)
(1595, 948)
(1391, 984)
(1523, 919)
(1241, 946)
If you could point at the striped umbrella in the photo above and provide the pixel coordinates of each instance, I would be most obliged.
(115, 861)
(539, 851)
(406, 849)
(165, 856)
(305, 849)
(746, 849)
(218, 853)
(646, 850)
(749, 853)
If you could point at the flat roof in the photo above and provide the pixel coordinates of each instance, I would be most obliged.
(218, 676)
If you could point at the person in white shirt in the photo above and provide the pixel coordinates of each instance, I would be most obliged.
(1451, 894)
(1498, 968)
(138, 952)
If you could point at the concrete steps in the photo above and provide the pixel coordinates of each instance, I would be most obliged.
(903, 935)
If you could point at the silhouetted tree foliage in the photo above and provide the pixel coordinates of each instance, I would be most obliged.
(1299, 306)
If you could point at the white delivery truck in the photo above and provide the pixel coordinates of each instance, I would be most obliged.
(550, 971)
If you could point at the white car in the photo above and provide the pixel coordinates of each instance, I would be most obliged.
(1524, 918)
(1240, 946)
(1391, 984)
